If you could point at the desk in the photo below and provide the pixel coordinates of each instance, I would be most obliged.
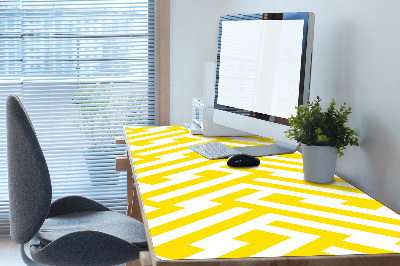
(202, 212)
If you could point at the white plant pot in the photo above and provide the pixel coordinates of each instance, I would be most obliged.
(319, 163)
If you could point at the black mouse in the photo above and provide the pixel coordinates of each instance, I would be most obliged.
(242, 160)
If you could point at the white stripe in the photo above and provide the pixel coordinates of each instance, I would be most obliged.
(198, 225)
(340, 251)
(329, 189)
(255, 199)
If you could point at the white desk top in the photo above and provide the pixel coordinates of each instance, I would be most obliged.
(198, 208)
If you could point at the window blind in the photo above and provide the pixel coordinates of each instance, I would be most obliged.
(83, 69)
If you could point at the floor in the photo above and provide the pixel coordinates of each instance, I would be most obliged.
(9, 253)
(10, 256)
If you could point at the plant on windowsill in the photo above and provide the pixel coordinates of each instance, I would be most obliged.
(323, 135)
(99, 108)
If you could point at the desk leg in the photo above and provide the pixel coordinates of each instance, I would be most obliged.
(129, 192)
(144, 260)
(133, 263)
(133, 210)
(133, 200)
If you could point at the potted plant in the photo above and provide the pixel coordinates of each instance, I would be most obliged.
(99, 108)
(323, 135)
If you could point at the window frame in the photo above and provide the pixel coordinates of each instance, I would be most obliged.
(163, 88)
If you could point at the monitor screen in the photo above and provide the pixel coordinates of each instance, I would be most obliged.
(260, 63)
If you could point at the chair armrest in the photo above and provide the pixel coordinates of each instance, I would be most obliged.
(72, 204)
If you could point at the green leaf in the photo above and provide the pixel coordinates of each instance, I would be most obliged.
(312, 126)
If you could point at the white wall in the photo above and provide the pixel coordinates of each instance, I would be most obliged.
(356, 59)
(194, 41)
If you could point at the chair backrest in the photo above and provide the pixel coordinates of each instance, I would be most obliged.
(29, 183)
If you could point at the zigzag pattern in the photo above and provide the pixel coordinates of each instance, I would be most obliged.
(198, 208)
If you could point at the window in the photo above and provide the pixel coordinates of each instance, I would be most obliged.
(83, 69)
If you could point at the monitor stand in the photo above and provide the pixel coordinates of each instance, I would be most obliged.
(276, 148)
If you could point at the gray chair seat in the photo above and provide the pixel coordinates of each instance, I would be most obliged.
(107, 222)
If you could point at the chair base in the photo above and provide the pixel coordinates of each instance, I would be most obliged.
(26, 259)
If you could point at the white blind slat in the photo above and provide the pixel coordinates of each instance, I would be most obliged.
(83, 69)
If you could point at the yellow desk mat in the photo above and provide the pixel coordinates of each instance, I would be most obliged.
(198, 208)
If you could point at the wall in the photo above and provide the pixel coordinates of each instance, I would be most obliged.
(194, 41)
(355, 60)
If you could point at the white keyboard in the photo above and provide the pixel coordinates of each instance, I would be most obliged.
(214, 150)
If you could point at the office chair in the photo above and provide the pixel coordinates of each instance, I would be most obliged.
(70, 231)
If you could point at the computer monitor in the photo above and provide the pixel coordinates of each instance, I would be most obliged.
(263, 73)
